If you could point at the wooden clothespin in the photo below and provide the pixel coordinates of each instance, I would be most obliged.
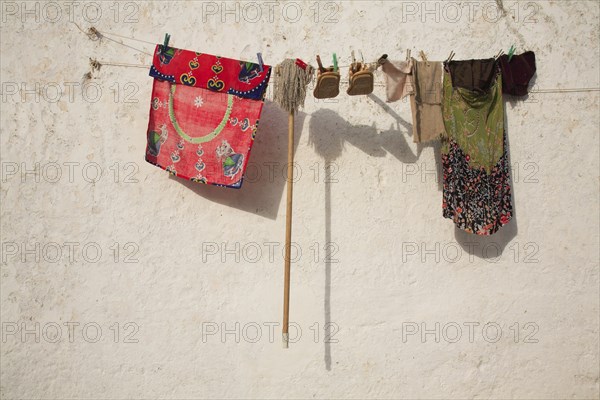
(382, 60)
(451, 56)
(320, 64)
(353, 67)
(93, 33)
(424, 57)
(499, 54)
(407, 54)
(260, 61)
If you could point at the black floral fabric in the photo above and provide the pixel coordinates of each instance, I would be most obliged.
(478, 202)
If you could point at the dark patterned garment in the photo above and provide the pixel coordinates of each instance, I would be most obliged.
(476, 201)
(476, 188)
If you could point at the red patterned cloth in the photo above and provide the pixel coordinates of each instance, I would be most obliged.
(204, 115)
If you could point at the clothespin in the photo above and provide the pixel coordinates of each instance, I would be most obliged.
(260, 61)
(451, 56)
(407, 54)
(382, 60)
(335, 63)
(301, 63)
(321, 68)
(423, 56)
(166, 42)
(511, 52)
(94, 34)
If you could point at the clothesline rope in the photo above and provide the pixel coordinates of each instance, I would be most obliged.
(103, 34)
(92, 33)
(557, 90)
(566, 90)
(118, 64)
(126, 37)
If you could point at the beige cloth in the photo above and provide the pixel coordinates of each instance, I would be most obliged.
(398, 79)
(426, 101)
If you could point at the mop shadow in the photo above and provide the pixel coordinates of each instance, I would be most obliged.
(328, 135)
(262, 189)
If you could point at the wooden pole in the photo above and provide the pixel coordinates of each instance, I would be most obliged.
(288, 231)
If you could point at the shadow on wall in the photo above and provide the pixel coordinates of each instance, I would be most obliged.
(325, 129)
(262, 189)
(262, 193)
(399, 152)
(487, 247)
(328, 134)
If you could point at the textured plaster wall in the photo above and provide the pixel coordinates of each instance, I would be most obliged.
(161, 288)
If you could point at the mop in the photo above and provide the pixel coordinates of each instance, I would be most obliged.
(290, 91)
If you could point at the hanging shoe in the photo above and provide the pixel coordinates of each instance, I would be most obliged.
(328, 82)
(361, 80)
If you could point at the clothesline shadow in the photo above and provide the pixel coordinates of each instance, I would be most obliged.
(262, 190)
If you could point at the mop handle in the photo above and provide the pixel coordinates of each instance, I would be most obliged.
(288, 232)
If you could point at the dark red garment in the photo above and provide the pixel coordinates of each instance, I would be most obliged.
(517, 73)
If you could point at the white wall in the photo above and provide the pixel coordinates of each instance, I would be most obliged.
(393, 263)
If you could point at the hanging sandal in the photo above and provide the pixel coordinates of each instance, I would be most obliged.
(328, 82)
(361, 79)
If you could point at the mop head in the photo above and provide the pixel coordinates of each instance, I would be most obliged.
(290, 85)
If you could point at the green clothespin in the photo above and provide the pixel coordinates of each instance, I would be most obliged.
(335, 64)
(511, 52)
(167, 38)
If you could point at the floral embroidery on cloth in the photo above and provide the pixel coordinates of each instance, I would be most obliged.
(204, 115)
(476, 181)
